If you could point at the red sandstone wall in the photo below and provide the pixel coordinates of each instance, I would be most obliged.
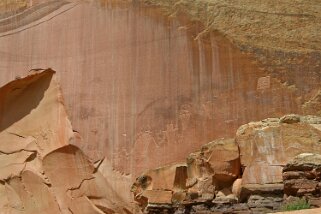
(138, 88)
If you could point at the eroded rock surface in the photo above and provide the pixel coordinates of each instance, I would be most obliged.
(206, 177)
(267, 146)
(241, 175)
(138, 85)
(302, 175)
(40, 171)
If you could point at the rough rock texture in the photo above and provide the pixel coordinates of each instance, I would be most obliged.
(302, 175)
(284, 36)
(140, 89)
(205, 174)
(242, 175)
(220, 157)
(279, 20)
(40, 171)
(268, 145)
(137, 85)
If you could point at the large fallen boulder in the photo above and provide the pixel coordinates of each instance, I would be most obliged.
(268, 145)
(40, 170)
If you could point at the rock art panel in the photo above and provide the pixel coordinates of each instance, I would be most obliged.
(268, 145)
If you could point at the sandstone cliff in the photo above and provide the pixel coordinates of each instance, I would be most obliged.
(147, 93)
(144, 90)
(41, 172)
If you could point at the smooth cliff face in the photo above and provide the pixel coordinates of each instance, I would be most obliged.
(140, 90)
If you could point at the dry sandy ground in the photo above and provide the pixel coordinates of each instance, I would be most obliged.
(309, 211)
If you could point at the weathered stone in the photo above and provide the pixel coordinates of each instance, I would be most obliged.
(266, 146)
(12, 165)
(165, 185)
(163, 123)
(158, 196)
(301, 175)
(224, 196)
(179, 197)
(40, 171)
(275, 143)
(236, 187)
(223, 157)
(241, 208)
(291, 118)
(217, 165)
(259, 189)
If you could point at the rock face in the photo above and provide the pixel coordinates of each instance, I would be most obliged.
(268, 145)
(205, 173)
(40, 171)
(302, 175)
(137, 85)
(142, 93)
(241, 175)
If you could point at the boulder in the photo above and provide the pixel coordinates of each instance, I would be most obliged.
(302, 175)
(236, 187)
(268, 145)
(219, 159)
(161, 185)
(205, 172)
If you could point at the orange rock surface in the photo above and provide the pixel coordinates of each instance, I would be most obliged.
(139, 89)
(141, 93)
(267, 146)
(247, 169)
(40, 171)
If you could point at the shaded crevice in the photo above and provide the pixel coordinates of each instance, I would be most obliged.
(15, 134)
(70, 210)
(79, 186)
(98, 164)
(33, 86)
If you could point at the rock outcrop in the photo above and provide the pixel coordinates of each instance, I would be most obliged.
(241, 175)
(40, 170)
(267, 146)
(144, 93)
(137, 106)
(302, 175)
